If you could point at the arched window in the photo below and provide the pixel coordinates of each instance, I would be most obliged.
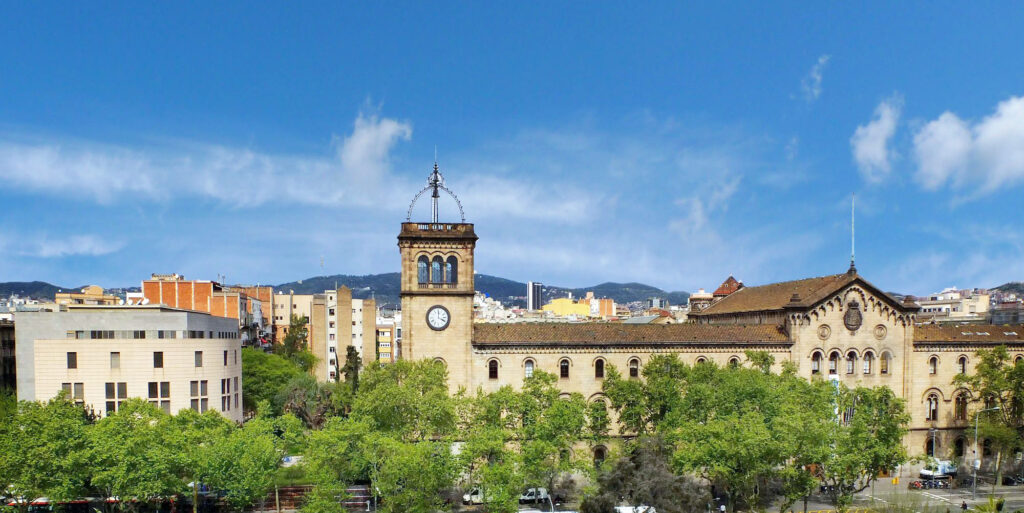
(421, 269)
(563, 368)
(634, 368)
(960, 408)
(851, 362)
(528, 369)
(933, 407)
(599, 368)
(1018, 359)
(933, 365)
(600, 453)
(492, 369)
(701, 359)
(435, 270)
(833, 363)
(734, 362)
(884, 363)
(451, 270)
(929, 446)
(961, 364)
(868, 359)
(958, 447)
(816, 363)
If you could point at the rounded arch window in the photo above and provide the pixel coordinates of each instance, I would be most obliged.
(600, 454)
(884, 363)
(436, 275)
(933, 407)
(492, 369)
(960, 406)
(422, 273)
(701, 359)
(933, 365)
(833, 362)
(599, 368)
(441, 361)
(816, 362)
(563, 368)
(958, 447)
(528, 368)
(734, 362)
(451, 270)
(929, 446)
(869, 358)
(1018, 359)
(961, 365)
(851, 362)
(634, 367)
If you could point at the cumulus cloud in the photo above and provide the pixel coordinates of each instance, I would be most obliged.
(984, 156)
(870, 142)
(234, 176)
(810, 86)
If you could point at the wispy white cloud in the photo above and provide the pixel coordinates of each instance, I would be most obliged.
(233, 176)
(982, 157)
(870, 142)
(810, 85)
(50, 246)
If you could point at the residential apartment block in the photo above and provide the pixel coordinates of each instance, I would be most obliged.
(175, 291)
(336, 322)
(103, 355)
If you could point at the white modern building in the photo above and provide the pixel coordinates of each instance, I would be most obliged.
(102, 355)
(954, 305)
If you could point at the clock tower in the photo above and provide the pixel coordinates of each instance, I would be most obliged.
(437, 286)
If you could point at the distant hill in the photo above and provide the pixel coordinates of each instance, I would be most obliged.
(385, 288)
(1016, 287)
(32, 289)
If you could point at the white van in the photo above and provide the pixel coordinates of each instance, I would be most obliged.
(534, 495)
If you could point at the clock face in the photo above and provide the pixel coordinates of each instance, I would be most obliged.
(438, 317)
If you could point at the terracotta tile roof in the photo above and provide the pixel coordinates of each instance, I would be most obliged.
(625, 334)
(776, 296)
(994, 334)
(727, 287)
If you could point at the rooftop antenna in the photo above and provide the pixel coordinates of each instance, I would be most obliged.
(435, 184)
(853, 238)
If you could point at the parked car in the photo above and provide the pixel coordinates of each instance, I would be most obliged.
(1013, 480)
(474, 496)
(534, 495)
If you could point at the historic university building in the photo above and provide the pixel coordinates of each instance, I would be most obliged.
(838, 327)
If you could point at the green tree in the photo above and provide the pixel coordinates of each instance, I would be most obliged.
(195, 434)
(265, 376)
(866, 440)
(44, 450)
(408, 400)
(641, 404)
(644, 476)
(309, 400)
(999, 383)
(242, 464)
(135, 455)
(295, 345)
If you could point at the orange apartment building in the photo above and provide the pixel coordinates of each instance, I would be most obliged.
(206, 296)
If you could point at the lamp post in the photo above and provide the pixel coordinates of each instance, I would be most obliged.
(977, 455)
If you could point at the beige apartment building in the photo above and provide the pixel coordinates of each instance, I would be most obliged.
(91, 295)
(284, 306)
(338, 321)
(102, 355)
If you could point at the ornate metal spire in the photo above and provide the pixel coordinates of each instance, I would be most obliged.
(435, 184)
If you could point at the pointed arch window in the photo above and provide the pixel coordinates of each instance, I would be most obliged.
(422, 274)
(451, 270)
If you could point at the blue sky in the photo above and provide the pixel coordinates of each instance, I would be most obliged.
(668, 143)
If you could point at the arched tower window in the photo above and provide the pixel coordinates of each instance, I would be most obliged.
(528, 369)
(492, 369)
(599, 368)
(421, 269)
(435, 270)
(933, 407)
(851, 362)
(961, 364)
(816, 363)
(563, 368)
(868, 360)
(451, 270)
(634, 368)
(884, 363)
(933, 365)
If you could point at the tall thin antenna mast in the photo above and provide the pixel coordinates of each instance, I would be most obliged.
(853, 232)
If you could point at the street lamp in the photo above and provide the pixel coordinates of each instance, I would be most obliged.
(977, 459)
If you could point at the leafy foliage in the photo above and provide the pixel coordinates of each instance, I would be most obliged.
(265, 376)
